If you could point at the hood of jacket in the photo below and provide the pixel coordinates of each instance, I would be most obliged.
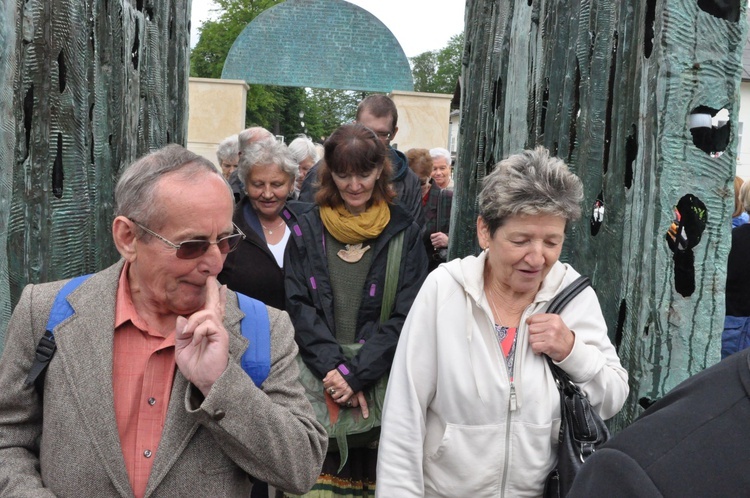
(469, 273)
(399, 163)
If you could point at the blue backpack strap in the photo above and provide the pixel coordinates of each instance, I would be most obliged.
(256, 328)
(61, 309)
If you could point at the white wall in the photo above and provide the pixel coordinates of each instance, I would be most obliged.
(743, 132)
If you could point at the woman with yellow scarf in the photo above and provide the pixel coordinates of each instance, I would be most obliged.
(336, 270)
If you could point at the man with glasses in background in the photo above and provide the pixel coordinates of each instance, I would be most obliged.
(145, 394)
(379, 113)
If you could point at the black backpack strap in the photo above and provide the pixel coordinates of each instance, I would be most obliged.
(46, 348)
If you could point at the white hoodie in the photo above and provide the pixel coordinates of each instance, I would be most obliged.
(453, 423)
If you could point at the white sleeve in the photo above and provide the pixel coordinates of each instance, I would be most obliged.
(411, 387)
(593, 363)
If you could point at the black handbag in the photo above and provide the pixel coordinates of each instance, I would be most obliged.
(582, 430)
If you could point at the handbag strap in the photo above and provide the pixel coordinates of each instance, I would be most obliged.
(561, 300)
(395, 249)
(555, 306)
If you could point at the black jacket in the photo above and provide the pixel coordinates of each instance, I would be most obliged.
(693, 442)
(251, 268)
(405, 183)
(738, 273)
(310, 298)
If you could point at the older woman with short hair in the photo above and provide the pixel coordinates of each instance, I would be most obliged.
(256, 268)
(304, 152)
(472, 408)
(228, 155)
(337, 266)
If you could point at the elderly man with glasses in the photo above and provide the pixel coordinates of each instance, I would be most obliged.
(145, 394)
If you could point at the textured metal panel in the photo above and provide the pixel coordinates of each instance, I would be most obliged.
(95, 84)
(7, 144)
(587, 79)
(319, 44)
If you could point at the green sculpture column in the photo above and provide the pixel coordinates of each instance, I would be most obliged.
(610, 87)
(87, 87)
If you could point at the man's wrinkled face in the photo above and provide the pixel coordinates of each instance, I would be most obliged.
(198, 208)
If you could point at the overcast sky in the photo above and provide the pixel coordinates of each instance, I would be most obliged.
(419, 25)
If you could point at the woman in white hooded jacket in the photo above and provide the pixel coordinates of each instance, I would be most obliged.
(472, 408)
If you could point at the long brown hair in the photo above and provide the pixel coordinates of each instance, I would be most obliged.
(354, 148)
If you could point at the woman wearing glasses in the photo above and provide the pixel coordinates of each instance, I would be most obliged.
(256, 268)
(335, 275)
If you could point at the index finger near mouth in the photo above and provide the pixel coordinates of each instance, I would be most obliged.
(213, 295)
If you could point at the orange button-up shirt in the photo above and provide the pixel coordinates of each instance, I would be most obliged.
(142, 375)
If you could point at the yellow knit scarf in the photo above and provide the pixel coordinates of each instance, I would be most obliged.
(349, 228)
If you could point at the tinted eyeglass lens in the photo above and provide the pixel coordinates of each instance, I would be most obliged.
(192, 249)
(230, 243)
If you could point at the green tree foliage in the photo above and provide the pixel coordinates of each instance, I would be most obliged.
(273, 107)
(217, 36)
(328, 109)
(438, 71)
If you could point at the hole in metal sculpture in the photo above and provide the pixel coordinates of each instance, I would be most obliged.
(136, 46)
(690, 218)
(729, 10)
(620, 324)
(610, 102)
(710, 129)
(57, 169)
(28, 113)
(648, 35)
(497, 94)
(545, 104)
(646, 402)
(631, 152)
(62, 71)
(576, 112)
(597, 214)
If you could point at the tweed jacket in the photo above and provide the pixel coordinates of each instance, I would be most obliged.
(68, 445)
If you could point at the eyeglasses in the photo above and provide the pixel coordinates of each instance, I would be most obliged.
(191, 249)
(385, 135)
(424, 181)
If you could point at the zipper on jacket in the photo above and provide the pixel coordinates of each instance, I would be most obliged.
(506, 464)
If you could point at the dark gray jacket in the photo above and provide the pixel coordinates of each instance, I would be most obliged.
(310, 298)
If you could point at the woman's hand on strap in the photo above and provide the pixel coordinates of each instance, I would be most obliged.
(337, 387)
(549, 335)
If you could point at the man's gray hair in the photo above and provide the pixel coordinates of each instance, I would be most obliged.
(228, 150)
(266, 152)
(135, 193)
(441, 152)
(302, 148)
(530, 183)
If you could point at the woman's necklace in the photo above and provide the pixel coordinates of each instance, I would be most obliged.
(270, 230)
(492, 298)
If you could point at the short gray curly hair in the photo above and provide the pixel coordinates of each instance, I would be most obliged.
(266, 152)
(530, 183)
